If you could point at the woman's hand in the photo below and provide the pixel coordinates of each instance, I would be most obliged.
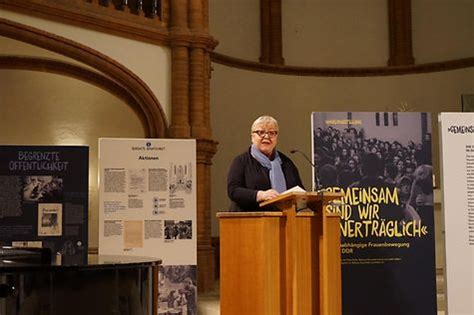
(264, 195)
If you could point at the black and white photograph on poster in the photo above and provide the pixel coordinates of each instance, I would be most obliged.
(340, 149)
(42, 188)
(50, 219)
(344, 156)
(181, 178)
(178, 230)
(177, 290)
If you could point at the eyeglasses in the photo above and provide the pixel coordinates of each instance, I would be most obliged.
(262, 133)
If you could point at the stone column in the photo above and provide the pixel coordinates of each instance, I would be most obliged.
(271, 49)
(180, 36)
(197, 110)
(198, 130)
(400, 36)
(201, 131)
(205, 151)
(165, 12)
(276, 51)
(265, 31)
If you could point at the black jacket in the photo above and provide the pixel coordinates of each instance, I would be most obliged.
(247, 176)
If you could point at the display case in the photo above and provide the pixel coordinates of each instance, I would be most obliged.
(101, 285)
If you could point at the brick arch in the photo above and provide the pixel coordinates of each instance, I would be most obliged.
(125, 84)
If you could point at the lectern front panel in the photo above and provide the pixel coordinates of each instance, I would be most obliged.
(251, 259)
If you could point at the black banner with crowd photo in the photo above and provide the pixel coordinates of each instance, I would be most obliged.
(381, 163)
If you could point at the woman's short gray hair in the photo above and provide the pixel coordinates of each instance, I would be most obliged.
(264, 120)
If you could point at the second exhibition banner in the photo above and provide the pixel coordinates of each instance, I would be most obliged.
(381, 163)
(457, 156)
(148, 208)
(44, 199)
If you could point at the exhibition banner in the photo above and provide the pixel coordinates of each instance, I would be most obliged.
(44, 198)
(148, 208)
(457, 178)
(381, 163)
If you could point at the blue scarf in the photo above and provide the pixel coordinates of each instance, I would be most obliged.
(277, 178)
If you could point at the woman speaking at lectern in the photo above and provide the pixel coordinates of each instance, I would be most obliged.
(261, 173)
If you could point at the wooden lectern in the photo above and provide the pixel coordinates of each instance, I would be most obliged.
(286, 262)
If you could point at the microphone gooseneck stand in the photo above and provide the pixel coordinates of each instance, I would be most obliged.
(317, 184)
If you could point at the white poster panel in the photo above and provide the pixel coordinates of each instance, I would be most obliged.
(148, 208)
(457, 173)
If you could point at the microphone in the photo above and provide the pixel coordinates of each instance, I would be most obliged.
(316, 182)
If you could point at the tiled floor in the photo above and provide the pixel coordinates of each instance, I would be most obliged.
(208, 303)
